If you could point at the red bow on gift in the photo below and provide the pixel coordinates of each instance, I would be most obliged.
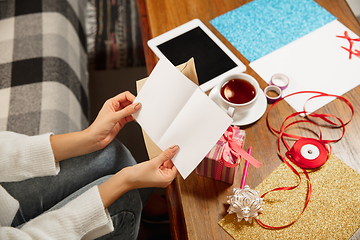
(229, 141)
(232, 149)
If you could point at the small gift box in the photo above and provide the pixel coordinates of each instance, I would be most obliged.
(222, 162)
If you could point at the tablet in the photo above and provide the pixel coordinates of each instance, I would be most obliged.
(213, 60)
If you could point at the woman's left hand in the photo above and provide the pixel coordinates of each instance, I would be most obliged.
(114, 114)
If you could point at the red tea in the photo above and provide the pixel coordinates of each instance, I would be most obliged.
(238, 91)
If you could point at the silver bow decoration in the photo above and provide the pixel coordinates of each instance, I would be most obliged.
(246, 203)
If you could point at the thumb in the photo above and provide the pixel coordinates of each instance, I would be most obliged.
(127, 111)
(168, 154)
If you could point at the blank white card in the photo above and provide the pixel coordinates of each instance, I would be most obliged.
(175, 111)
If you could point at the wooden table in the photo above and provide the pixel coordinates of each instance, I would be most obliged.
(197, 204)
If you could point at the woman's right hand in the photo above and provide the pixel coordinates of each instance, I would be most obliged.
(157, 172)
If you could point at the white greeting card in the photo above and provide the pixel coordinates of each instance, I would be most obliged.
(175, 111)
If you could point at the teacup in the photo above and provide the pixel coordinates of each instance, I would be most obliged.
(238, 93)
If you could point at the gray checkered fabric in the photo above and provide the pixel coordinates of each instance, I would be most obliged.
(43, 66)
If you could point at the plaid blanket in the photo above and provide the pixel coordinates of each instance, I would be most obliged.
(43, 66)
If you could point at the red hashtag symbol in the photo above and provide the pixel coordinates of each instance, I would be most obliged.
(351, 42)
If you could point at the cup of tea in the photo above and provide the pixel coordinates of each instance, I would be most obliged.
(238, 93)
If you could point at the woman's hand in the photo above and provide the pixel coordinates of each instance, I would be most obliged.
(114, 114)
(157, 172)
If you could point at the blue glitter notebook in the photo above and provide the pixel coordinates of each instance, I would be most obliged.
(262, 26)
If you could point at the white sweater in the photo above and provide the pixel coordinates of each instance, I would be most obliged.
(23, 157)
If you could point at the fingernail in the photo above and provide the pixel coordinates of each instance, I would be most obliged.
(137, 106)
(174, 147)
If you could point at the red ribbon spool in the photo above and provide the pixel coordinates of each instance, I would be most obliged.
(308, 153)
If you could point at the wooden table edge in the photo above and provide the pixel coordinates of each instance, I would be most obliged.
(150, 57)
(176, 216)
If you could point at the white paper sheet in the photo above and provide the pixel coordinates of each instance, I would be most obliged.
(315, 62)
(175, 111)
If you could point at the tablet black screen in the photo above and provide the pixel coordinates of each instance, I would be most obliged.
(210, 60)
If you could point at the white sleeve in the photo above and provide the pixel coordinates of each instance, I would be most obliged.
(23, 157)
(82, 218)
(8, 207)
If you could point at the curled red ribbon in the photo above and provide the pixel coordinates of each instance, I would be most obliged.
(281, 134)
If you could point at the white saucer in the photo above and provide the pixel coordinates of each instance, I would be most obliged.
(246, 118)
